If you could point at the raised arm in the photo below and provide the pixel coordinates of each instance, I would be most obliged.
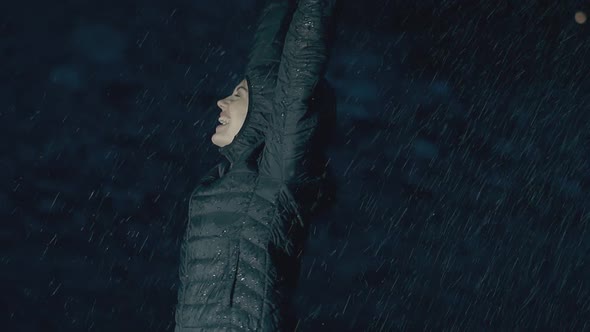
(303, 62)
(265, 54)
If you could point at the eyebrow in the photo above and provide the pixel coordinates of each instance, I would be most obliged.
(241, 87)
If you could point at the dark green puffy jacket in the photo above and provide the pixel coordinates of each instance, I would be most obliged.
(241, 251)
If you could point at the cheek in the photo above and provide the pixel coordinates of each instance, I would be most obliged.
(243, 108)
(232, 130)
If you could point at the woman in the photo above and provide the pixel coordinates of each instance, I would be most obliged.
(240, 255)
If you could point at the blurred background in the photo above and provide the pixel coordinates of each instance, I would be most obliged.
(462, 156)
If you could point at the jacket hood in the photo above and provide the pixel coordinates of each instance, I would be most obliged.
(245, 145)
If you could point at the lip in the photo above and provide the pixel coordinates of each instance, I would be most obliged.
(224, 114)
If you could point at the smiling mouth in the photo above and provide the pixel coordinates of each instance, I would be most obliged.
(223, 119)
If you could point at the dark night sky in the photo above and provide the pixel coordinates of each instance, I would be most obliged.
(462, 158)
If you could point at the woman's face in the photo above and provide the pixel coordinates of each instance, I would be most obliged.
(233, 112)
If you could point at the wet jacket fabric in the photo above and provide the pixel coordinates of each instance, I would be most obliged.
(247, 217)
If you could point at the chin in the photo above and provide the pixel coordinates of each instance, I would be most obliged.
(219, 141)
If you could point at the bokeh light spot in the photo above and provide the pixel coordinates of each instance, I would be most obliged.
(580, 17)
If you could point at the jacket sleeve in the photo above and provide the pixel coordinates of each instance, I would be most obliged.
(265, 54)
(293, 123)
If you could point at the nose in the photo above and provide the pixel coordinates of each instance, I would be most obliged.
(222, 103)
